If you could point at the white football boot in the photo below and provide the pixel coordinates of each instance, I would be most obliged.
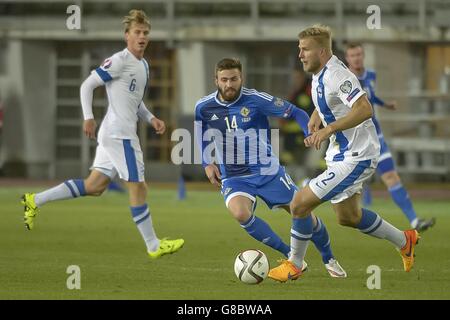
(334, 269)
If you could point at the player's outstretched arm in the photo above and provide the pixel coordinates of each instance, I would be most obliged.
(302, 118)
(391, 105)
(280, 108)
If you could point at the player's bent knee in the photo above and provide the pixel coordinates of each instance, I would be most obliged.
(240, 212)
(137, 186)
(242, 216)
(94, 189)
(299, 208)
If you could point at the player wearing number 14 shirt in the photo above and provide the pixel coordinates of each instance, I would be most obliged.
(234, 121)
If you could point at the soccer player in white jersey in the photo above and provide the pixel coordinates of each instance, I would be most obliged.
(354, 54)
(342, 107)
(125, 76)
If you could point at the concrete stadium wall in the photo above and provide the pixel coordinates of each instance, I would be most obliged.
(29, 100)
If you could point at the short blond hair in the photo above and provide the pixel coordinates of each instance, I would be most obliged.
(136, 16)
(320, 33)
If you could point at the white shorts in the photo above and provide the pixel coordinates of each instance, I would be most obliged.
(120, 156)
(341, 180)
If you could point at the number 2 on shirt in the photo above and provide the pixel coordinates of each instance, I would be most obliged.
(233, 123)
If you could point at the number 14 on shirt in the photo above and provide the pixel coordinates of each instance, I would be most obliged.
(233, 123)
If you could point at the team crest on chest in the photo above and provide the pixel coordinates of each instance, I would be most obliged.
(245, 111)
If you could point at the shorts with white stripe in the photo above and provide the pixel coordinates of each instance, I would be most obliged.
(341, 180)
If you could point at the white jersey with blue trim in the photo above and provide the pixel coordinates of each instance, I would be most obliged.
(126, 79)
(334, 91)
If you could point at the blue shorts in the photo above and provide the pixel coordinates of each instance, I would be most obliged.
(385, 162)
(275, 190)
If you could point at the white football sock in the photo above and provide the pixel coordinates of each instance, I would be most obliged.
(143, 220)
(67, 190)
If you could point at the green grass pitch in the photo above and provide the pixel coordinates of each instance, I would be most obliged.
(99, 236)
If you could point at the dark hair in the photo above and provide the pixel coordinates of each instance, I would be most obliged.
(352, 45)
(227, 64)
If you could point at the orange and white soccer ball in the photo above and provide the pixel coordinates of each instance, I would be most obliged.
(251, 266)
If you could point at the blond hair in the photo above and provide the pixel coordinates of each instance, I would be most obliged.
(136, 16)
(320, 33)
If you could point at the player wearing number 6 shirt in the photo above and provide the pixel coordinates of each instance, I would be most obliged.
(125, 76)
(233, 121)
(352, 156)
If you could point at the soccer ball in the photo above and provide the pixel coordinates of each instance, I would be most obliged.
(251, 266)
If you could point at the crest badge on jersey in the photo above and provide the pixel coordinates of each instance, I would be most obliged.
(245, 111)
(279, 102)
(346, 87)
(107, 63)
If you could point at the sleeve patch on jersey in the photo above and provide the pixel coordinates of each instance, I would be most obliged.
(288, 112)
(107, 63)
(346, 87)
(279, 102)
(352, 95)
(103, 74)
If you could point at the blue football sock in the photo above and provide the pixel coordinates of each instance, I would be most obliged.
(401, 198)
(261, 231)
(321, 240)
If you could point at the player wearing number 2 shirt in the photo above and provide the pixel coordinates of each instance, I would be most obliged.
(344, 111)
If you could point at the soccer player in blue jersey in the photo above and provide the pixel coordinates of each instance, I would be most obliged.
(125, 76)
(352, 155)
(354, 55)
(235, 118)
